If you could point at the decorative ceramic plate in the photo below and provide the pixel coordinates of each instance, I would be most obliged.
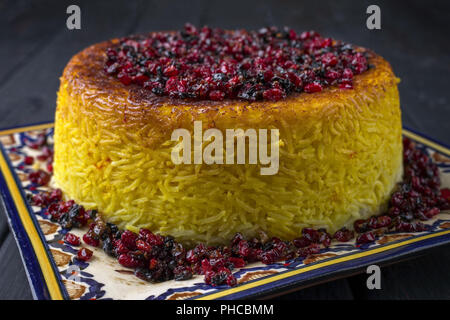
(53, 272)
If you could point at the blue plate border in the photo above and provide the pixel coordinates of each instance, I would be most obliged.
(34, 274)
(34, 270)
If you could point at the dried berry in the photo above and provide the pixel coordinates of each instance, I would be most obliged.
(72, 239)
(311, 234)
(84, 254)
(128, 261)
(313, 248)
(343, 235)
(301, 242)
(39, 177)
(204, 63)
(182, 273)
(129, 239)
(28, 160)
(366, 237)
(88, 239)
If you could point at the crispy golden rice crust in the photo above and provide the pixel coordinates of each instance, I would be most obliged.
(340, 155)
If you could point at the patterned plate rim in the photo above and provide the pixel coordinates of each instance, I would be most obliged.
(46, 281)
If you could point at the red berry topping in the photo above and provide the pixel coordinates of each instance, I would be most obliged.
(87, 238)
(128, 261)
(205, 63)
(273, 94)
(313, 87)
(311, 234)
(55, 195)
(120, 248)
(237, 262)
(343, 235)
(301, 242)
(367, 237)
(28, 160)
(40, 199)
(143, 246)
(72, 239)
(217, 95)
(129, 239)
(84, 254)
(314, 248)
(231, 280)
(39, 177)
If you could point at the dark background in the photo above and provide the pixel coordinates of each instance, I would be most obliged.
(35, 45)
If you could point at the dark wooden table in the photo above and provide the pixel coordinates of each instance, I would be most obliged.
(36, 45)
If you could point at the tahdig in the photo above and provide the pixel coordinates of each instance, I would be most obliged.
(336, 107)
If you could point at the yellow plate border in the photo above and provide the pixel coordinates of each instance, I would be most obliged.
(427, 142)
(5, 132)
(30, 229)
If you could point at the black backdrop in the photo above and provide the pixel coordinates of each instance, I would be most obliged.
(35, 46)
